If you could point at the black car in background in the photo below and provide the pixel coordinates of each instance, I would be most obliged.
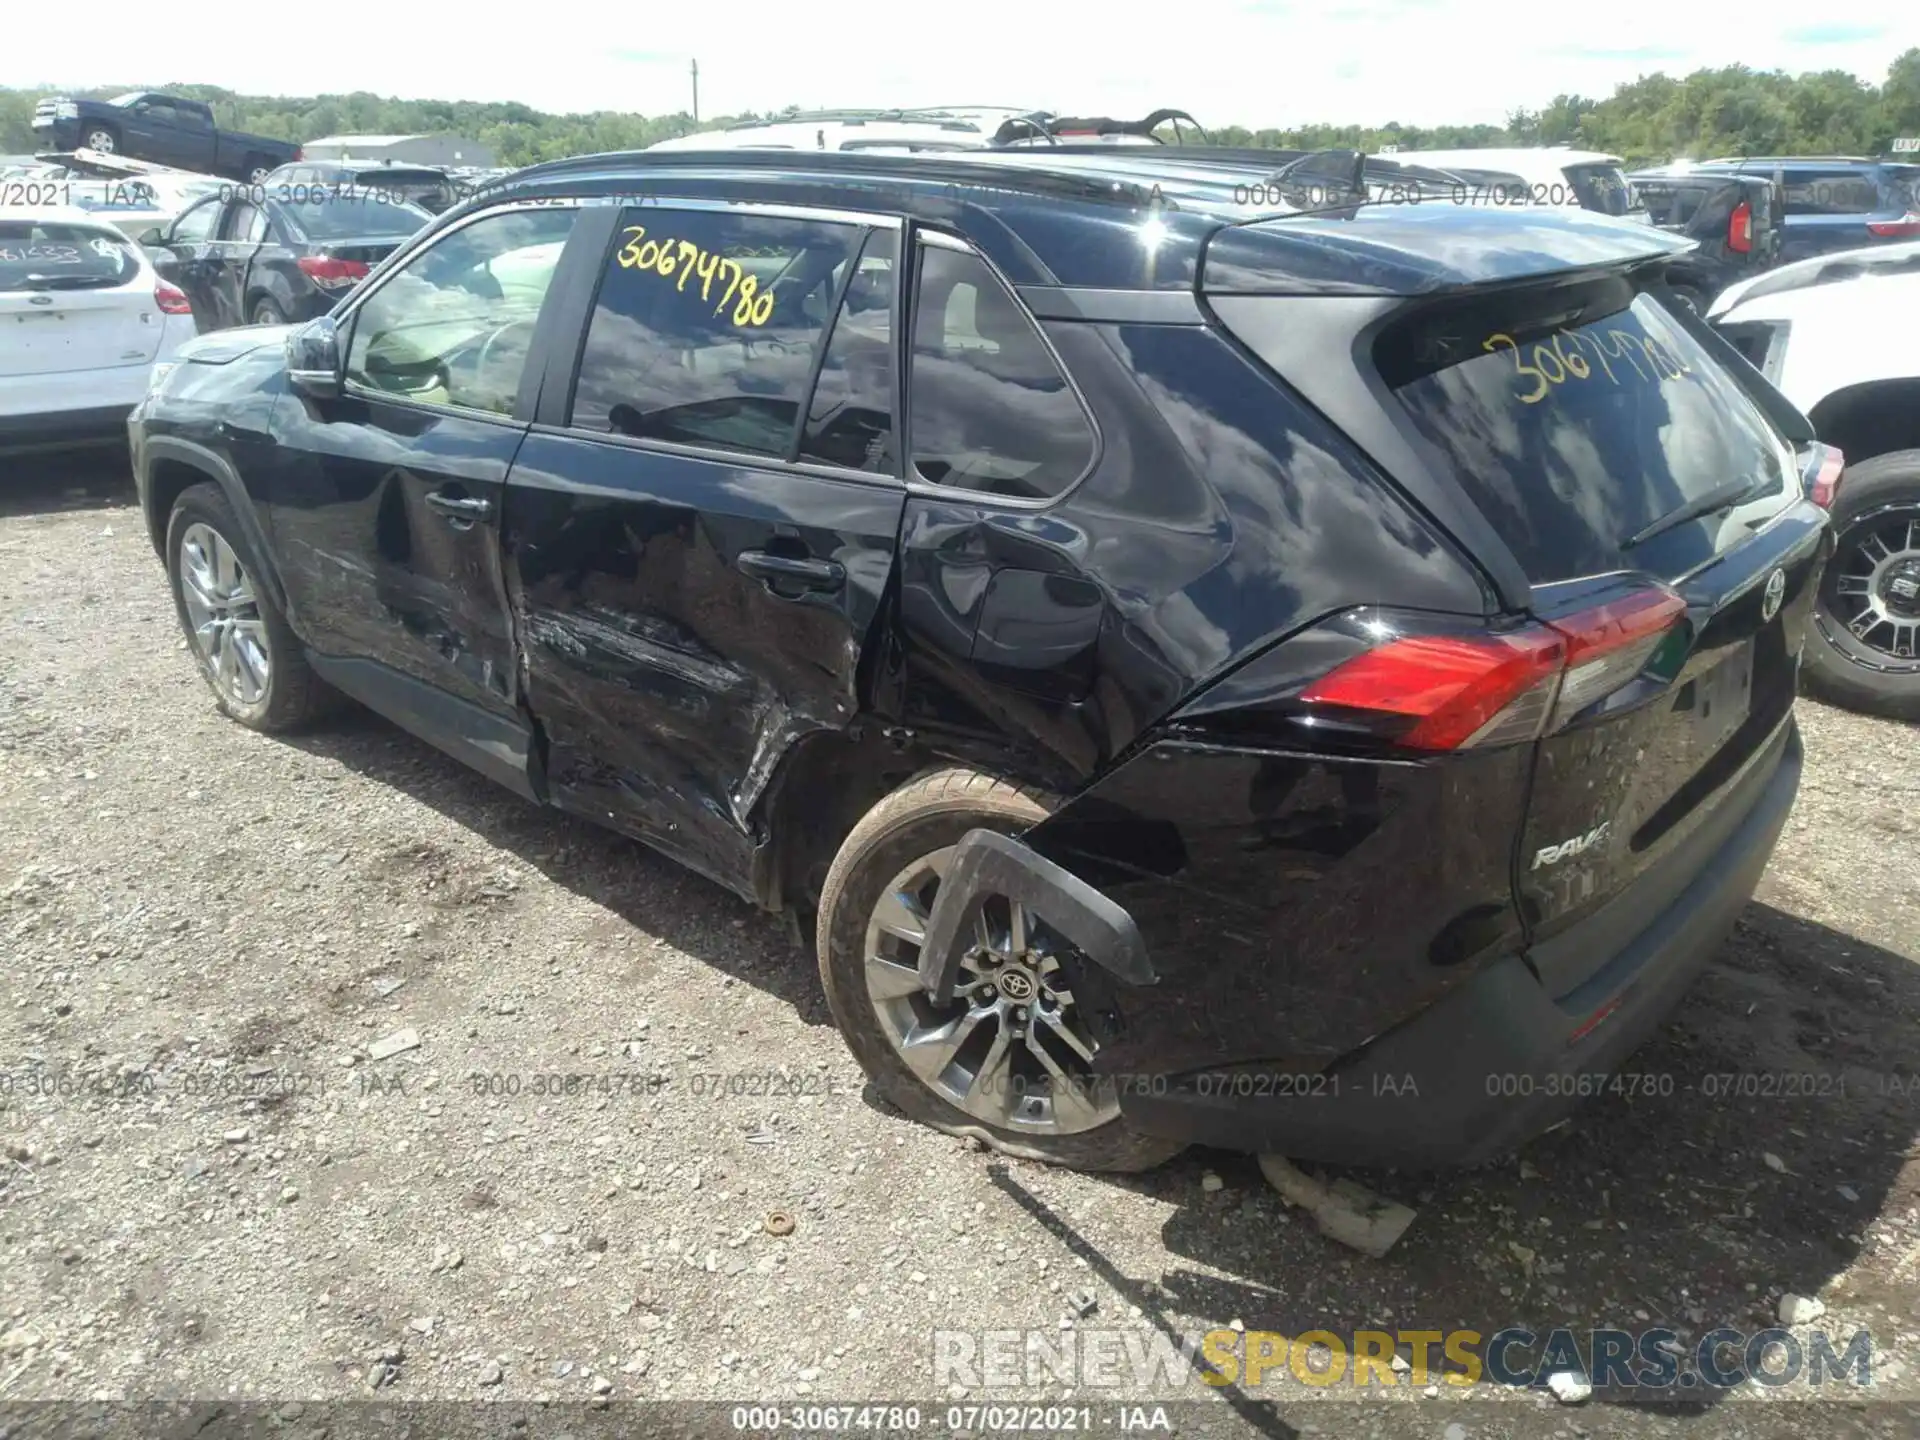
(1835, 202)
(427, 186)
(1278, 677)
(245, 257)
(1733, 220)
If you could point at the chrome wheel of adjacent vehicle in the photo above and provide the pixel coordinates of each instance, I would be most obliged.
(101, 140)
(1872, 588)
(1010, 1049)
(224, 614)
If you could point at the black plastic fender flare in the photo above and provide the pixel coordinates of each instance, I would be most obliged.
(986, 863)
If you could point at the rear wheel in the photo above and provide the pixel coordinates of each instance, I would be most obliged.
(265, 312)
(1009, 1059)
(1863, 648)
(258, 171)
(246, 651)
(102, 139)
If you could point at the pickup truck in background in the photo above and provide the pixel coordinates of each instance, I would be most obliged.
(166, 129)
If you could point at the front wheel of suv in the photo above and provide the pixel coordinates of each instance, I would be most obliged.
(246, 651)
(1008, 1061)
(1863, 647)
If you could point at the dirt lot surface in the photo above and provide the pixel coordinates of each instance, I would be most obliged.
(210, 1189)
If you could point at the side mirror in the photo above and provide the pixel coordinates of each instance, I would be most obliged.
(314, 365)
(152, 235)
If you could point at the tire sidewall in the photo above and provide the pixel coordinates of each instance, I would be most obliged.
(1831, 673)
(264, 306)
(205, 505)
(1112, 1146)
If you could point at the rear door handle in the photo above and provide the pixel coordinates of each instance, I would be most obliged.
(461, 507)
(787, 572)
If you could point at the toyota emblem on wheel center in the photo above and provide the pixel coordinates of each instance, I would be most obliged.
(1775, 593)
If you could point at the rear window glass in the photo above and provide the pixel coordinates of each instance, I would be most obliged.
(48, 255)
(1602, 188)
(1578, 418)
(354, 218)
(1831, 192)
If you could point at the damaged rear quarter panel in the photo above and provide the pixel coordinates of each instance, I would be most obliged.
(1293, 905)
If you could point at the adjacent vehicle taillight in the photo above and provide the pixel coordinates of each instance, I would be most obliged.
(1740, 229)
(171, 299)
(1893, 229)
(331, 273)
(1464, 691)
(1823, 472)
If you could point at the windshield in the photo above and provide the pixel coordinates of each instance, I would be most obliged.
(47, 255)
(354, 217)
(1578, 418)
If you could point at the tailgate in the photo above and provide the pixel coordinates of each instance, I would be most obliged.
(72, 298)
(1642, 492)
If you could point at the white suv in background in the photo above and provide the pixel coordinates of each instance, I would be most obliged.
(83, 322)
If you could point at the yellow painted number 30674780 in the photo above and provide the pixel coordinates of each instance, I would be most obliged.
(667, 257)
(1558, 362)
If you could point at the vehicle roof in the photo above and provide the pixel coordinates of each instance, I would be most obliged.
(837, 134)
(1043, 216)
(1495, 158)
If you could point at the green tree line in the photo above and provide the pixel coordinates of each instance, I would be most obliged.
(1733, 110)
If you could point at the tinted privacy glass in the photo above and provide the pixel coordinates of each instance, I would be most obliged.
(453, 326)
(1602, 187)
(990, 409)
(46, 255)
(850, 419)
(1831, 192)
(706, 326)
(1576, 427)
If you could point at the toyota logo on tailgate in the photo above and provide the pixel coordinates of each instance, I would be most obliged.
(1775, 593)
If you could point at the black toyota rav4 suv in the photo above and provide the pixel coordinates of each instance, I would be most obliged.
(1317, 679)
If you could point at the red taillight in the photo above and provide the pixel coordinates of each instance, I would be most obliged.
(1740, 229)
(330, 272)
(1462, 691)
(1825, 483)
(1893, 229)
(171, 299)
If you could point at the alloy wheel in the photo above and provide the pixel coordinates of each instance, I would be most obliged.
(224, 613)
(1011, 1049)
(101, 140)
(1871, 591)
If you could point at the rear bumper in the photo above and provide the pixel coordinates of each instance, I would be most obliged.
(1495, 1060)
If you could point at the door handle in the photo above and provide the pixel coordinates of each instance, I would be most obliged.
(777, 570)
(461, 507)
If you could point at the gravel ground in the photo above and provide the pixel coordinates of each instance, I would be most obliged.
(206, 935)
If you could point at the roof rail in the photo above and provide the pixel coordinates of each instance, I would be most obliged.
(1054, 128)
(973, 165)
(944, 119)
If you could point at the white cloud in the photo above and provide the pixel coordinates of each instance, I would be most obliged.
(1255, 62)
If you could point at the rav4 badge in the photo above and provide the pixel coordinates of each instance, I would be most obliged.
(1578, 845)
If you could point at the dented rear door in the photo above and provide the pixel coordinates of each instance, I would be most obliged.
(701, 528)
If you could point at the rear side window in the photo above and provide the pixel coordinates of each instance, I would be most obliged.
(353, 217)
(48, 255)
(990, 408)
(1831, 192)
(706, 326)
(1576, 419)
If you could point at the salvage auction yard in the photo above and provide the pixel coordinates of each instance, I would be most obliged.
(231, 1173)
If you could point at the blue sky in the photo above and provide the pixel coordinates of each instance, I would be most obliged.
(1249, 61)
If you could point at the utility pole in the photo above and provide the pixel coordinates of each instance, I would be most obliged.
(696, 92)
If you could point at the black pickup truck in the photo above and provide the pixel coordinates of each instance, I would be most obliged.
(165, 129)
